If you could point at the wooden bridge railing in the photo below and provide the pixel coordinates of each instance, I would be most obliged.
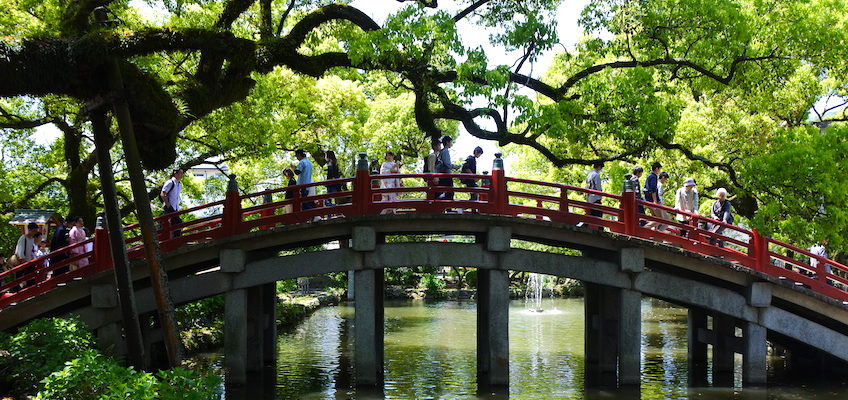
(497, 194)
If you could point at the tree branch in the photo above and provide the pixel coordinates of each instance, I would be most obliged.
(283, 17)
(470, 9)
(9, 206)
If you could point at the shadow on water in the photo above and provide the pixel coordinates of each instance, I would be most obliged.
(430, 353)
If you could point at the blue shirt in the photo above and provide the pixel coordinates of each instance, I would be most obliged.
(304, 171)
(651, 187)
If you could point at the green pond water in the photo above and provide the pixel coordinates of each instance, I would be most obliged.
(430, 352)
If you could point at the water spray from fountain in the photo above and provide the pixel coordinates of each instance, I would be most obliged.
(533, 294)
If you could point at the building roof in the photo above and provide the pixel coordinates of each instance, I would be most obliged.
(39, 216)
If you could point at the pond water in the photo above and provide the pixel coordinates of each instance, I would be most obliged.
(430, 353)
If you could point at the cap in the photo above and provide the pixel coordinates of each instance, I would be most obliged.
(689, 182)
(478, 149)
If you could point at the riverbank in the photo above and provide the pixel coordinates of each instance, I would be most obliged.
(569, 289)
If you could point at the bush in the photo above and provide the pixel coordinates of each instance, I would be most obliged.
(432, 285)
(93, 376)
(42, 347)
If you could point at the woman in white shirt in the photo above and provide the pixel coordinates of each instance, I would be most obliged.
(390, 166)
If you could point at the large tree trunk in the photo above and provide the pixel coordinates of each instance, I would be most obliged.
(80, 201)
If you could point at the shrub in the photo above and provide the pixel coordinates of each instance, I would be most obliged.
(186, 384)
(93, 376)
(432, 285)
(42, 347)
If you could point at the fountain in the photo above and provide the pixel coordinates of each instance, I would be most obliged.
(533, 294)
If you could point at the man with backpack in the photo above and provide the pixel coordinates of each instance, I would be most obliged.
(170, 196)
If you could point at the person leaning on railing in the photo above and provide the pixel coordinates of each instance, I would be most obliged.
(722, 211)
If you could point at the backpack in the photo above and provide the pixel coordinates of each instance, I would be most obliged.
(439, 164)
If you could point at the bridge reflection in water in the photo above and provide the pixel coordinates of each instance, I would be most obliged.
(739, 296)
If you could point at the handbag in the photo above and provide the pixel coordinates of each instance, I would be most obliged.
(14, 261)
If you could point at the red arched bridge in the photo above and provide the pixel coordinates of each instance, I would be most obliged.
(497, 195)
(236, 247)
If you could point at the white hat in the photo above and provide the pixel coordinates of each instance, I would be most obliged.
(689, 182)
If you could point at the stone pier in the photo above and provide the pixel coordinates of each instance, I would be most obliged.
(249, 324)
(613, 327)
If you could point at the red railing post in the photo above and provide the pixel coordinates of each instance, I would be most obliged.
(231, 216)
(485, 184)
(628, 209)
(102, 251)
(759, 248)
(165, 229)
(362, 186)
(499, 201)
(563, 200)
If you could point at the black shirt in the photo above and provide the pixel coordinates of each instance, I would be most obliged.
(290, 193)
(470, 165)
(60, 238)
(333, 171)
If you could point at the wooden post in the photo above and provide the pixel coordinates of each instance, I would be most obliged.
(158, 278)
(362, 186)
(629, 216)
(123, 278)
(500, 199)
(102, 253)
(231, 217)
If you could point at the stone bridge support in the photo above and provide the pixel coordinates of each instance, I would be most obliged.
(250, 328)
(368, 288)
(720, 332)
(613, 328)
(493, 315)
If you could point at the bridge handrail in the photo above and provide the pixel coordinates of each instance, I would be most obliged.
(536, 199)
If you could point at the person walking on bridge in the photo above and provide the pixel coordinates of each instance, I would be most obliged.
(389, 166)
(444, 166)
(171, 197)
(637, 188)
(303, 170)
(78, 235)
(721, 211)
(820, 250)
(60, 240)
(470, 167)
(332, 173)
(686, 200)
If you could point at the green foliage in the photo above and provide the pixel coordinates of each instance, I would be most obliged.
(92, 376)
(42, 347)
(432, 284)
(201, 323)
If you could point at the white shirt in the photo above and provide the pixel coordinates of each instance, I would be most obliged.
(24, 248)
(820, 251)
(173, 187)
(593, 181)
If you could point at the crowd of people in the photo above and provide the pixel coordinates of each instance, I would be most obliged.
(31, 245)
(686, 200)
